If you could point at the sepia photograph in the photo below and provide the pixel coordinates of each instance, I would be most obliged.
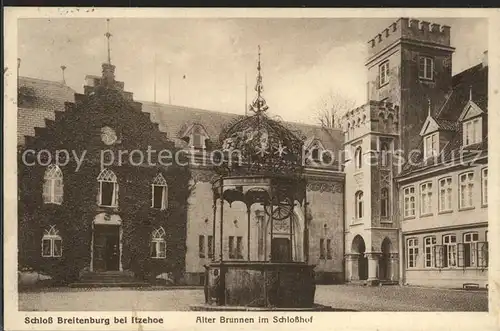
(253, 164)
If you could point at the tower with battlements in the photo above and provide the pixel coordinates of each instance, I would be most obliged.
(409, 67)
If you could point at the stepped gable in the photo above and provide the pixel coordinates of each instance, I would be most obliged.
(38, 100)
(174, 120)
(473, 80)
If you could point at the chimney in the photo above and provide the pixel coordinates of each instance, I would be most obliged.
(485, 58)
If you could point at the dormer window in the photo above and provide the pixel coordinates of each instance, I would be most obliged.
(431, 145)
(426, 68)
(315, 150)
(383, 73)
(195, 136)
(472, 131)
(197, 139)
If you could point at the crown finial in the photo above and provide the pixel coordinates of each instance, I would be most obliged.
(259, 103)
(470, 92)
(429, 107)
(108, 36)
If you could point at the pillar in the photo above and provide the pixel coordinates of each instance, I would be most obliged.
(352, 261)
(373, 259)
(394, 267)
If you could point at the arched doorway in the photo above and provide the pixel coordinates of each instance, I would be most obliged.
(106, 245)
(358, 247)
(384, 262)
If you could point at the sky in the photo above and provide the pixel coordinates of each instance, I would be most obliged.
(206, 61)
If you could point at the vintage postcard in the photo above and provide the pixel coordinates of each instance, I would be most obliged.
(192, 168)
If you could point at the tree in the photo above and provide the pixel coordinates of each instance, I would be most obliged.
(331, 107)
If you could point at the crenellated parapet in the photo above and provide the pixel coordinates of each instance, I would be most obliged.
(410, 29)
(374, 116)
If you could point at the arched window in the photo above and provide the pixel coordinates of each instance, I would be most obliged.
(51, 243)
(197, 137)
(384, 202)
(359, 205)
(53, 185)
(159, 193)
(158, 244)
(384, 154)
(108, 188)
(358, 156)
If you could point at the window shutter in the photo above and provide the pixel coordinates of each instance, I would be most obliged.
(46, 190)
(473, 248)
(460, 248)
(165, 197)
(482, 254)
(99, 193)
(115, 200)
(152, 196)
(58, 191)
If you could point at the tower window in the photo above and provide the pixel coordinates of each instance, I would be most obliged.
(384, 202)
(383, 73)
(358, 156)
(426, 68)
(359, 205)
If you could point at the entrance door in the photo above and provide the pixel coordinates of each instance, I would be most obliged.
(106, 248)
(281, 251)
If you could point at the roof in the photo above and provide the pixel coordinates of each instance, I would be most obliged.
(471, 84)
(38, 100)
(172, 119)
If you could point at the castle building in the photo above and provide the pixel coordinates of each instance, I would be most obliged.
(416, 164)
(407, 204)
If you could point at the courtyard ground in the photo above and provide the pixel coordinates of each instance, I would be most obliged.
(349, 297)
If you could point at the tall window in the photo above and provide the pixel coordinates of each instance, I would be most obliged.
(445, 190)
(322, 249)
(449, 250)
(466, 190)
(384, 73)
(51, 243)
(53, 185)
(484, 186)
(108, 188)
(384, 154)
(431, 145)
(409, 201)
(329, 253)
(210, 246)
(158, 244)
(412, 251)
(426, 68)
(429, 243)
(470, 249)
(426, 198)
(384, 202)
(358, 156)
(201, 246)
(359, 205)
(472, 132)
(159, 193)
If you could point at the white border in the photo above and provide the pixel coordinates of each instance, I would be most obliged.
(14, 320)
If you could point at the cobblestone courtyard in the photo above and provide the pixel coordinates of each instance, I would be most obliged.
(386, 298)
